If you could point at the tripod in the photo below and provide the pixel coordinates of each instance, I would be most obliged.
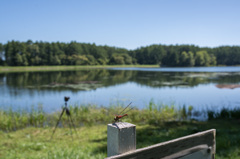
(65, 109)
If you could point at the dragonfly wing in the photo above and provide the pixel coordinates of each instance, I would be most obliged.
(125, 108)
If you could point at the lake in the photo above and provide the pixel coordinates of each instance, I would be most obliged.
(201, 87)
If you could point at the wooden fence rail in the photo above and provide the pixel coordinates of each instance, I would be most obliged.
(201, 145)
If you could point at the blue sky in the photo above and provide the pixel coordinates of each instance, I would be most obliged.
(122, 23)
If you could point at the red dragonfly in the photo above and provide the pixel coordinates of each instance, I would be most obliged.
(117, 117)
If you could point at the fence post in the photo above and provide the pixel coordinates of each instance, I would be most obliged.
(121, 138)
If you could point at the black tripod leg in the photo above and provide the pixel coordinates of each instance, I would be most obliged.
(57, 122)
(73, 126)
(70, 126)
(69, 115)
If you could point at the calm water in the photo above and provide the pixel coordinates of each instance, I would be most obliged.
(178, 86)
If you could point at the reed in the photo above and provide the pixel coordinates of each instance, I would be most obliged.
(224, 113)
(87, 115)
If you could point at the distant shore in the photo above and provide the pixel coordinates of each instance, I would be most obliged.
(63, 68)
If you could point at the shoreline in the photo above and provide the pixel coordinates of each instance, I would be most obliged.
(65, 67)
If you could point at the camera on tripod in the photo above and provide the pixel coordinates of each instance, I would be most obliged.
(66, 99)
(65, 109)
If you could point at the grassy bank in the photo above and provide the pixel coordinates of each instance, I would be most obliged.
(91, 142)
(62, 68)
(27, 134)
(88, 115)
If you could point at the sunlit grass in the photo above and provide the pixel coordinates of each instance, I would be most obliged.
(36, 143)
(27, 134)
(62, 68)
(91, 141)
(87, 115)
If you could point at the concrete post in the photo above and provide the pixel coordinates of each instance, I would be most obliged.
(121, 138)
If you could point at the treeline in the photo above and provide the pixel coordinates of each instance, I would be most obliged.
(15, 53)
(187, 55)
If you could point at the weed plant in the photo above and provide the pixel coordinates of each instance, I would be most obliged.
(13, 120)
(88, 115)
(224, 113)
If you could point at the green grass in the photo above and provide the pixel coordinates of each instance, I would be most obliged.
(63, 68)
(35, 143)
(91, 141)
(227, 134)
(86, 115)
(27, 134)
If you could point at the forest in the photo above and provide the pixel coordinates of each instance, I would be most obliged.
(29, 53)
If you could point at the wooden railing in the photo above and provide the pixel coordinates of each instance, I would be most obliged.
(201, 145)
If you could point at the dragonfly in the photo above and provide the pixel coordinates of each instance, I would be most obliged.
(117, 117)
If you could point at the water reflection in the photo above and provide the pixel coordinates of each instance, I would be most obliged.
(103, 85)
(97, 78)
